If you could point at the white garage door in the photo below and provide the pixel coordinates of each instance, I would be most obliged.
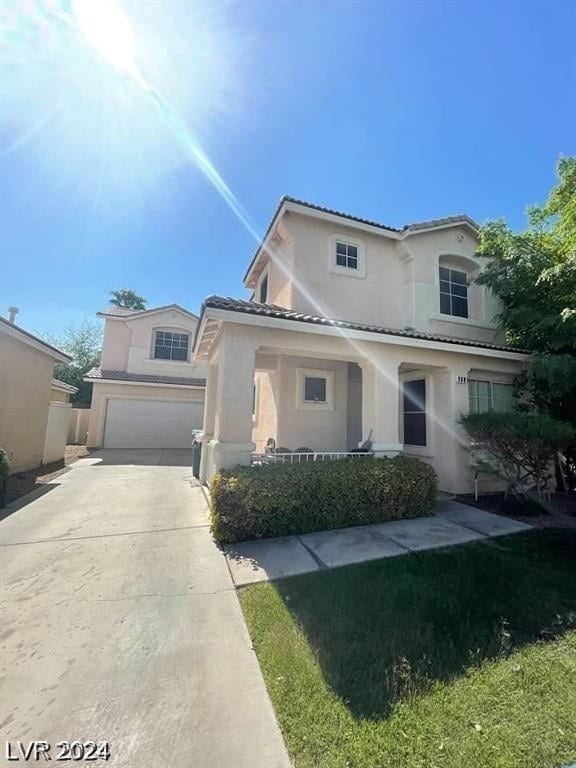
(151, 423)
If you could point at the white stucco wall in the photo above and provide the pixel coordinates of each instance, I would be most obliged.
(397, 286)
(59, 415)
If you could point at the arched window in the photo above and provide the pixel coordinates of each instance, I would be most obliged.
(455, 274)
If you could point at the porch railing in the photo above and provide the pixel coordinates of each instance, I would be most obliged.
(259, 459)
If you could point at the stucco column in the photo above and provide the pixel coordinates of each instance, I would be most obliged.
(451, 441)
(209, 418)
(232, 442)
(380, 404)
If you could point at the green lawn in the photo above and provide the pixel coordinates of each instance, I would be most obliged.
(464, 657)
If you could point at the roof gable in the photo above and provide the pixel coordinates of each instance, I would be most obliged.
(305, 208)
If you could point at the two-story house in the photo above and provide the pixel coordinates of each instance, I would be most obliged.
(355, 331)
(148, 392)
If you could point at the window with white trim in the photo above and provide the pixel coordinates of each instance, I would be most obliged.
(453, 292)
(171, 345)
(414, 412)
(346, 255)
(314, 389)
(486, 396)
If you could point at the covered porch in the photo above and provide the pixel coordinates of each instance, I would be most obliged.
(294, 391)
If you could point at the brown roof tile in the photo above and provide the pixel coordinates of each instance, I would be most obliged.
(281, 313)
(96, 374)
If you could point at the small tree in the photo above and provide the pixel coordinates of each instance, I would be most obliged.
(127, 299)
(83, 343)
(518, 447)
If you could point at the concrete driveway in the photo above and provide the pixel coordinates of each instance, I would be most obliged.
(120, 623)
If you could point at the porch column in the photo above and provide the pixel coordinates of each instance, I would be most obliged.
(380, 405)
(451, 440)
(209, 417)
(232, 442)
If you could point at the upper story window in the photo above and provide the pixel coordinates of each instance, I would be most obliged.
(453, 292)
(346, 255)
(171, 345)
(263, 293)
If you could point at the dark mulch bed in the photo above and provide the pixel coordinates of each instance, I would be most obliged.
(560, 513)
(24, 482)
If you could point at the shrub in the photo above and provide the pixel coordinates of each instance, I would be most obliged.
(284, 499)
(519, 447)
(4, 468)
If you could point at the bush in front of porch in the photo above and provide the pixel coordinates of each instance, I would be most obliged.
(285, 499)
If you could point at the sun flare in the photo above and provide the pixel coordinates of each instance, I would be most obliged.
(107, 29)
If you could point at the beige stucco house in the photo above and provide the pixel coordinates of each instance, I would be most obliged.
(26, 390)
(355, 330)
(148, 392)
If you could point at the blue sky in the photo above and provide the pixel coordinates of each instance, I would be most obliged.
(392, 111)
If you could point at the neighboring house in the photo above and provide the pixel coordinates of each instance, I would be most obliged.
(355, 330)
(26, 391)
(148, 393)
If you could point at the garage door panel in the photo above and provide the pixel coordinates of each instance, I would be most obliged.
(151, 423)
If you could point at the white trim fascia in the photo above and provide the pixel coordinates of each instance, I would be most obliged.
(449, 225)
(243, 318)
(15, 333)
(144, 383)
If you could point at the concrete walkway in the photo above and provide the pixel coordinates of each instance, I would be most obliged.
(453, 524)
(120, 623)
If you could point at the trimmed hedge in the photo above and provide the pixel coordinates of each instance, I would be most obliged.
(284, 499)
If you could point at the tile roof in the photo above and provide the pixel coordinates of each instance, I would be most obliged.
(123, 312)
(98, 373)
(280, 313)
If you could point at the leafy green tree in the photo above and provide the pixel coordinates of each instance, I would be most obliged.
(534, 272)
(127, 299)
(83, 343)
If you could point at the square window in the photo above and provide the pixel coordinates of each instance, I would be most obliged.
(340, 260)
(314, 389)
(341, 249)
